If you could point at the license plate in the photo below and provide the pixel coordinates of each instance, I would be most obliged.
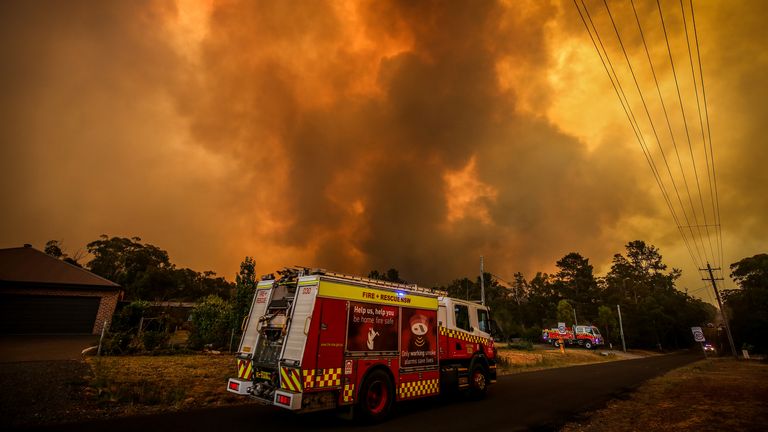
(263, 375)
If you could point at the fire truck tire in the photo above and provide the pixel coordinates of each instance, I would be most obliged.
(376, 397)
(555, 344)
(588, 345)
(478, 382)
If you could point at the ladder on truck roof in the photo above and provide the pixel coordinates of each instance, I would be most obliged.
(380, 283)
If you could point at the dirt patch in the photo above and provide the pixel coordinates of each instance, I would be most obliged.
(709, 395)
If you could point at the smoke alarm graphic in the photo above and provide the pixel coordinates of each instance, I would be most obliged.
(419, 325)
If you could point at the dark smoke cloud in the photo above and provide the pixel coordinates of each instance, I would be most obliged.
(440, 105)
(350, 136)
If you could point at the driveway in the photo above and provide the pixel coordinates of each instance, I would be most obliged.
(21, 348)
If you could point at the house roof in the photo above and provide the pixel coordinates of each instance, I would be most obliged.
(29, 265)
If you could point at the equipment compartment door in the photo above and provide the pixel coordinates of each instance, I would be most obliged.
(261, 299)
(298, 330)
(333, 328)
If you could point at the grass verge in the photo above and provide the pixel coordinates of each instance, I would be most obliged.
(709, 395)
(514, 361)
(159, 383)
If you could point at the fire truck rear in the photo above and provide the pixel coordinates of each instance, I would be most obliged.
(316, 340)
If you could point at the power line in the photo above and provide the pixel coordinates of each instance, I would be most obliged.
(653, 127)
(703, 138)
(709, 132)
(618, 88)
(666, 116)
(699, 251)
(687, 133)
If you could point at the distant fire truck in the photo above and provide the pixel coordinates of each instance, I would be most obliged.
(587, 336)
(317, 340)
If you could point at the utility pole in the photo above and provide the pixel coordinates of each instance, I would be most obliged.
(621, 328)
(722, 311)
(482, 282)
(575, 321)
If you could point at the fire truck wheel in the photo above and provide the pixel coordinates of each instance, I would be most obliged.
(376, 396)
(555, 344)
(478, 382)
(588, 345)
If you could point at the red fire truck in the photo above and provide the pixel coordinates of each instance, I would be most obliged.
(316, 340)
(587, 336)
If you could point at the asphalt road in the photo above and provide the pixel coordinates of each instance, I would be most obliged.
(541, 401)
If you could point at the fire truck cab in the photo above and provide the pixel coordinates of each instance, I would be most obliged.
(316, 340)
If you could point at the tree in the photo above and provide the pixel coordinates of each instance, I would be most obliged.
(146, 272)
(391, 275)
(124, 260)
(542, 304)
(576, 282)
(53, 248)
(606, 319)
(565, 312)
(749, 305)
(245, 287)
(655, 313)
(752, 272)
(463, 288)
(518, 296)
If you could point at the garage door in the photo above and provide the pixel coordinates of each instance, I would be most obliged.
(47, 314)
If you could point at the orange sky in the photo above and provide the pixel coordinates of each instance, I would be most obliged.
(359, 135)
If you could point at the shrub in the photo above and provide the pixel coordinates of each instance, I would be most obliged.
(116, 343)
(211, 320)
(127, 320)
(532, 334)
(522, 345)
(154, 339)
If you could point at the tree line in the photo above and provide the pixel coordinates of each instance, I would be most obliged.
(654, 312)
(143, 270)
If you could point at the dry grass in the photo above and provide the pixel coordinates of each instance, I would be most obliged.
(145, 384)
(709, 395)
(126, 385)
(513, 361)
(105, 387)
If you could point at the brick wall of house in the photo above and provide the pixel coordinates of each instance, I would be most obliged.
(107, 307)
(107, 304)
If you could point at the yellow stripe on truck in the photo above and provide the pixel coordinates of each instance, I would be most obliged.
(373, 295)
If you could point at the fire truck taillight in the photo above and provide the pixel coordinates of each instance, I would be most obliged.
(233, 385)
(283, 400)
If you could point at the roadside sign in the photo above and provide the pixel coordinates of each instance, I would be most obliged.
(698, 335)
(561, 328)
